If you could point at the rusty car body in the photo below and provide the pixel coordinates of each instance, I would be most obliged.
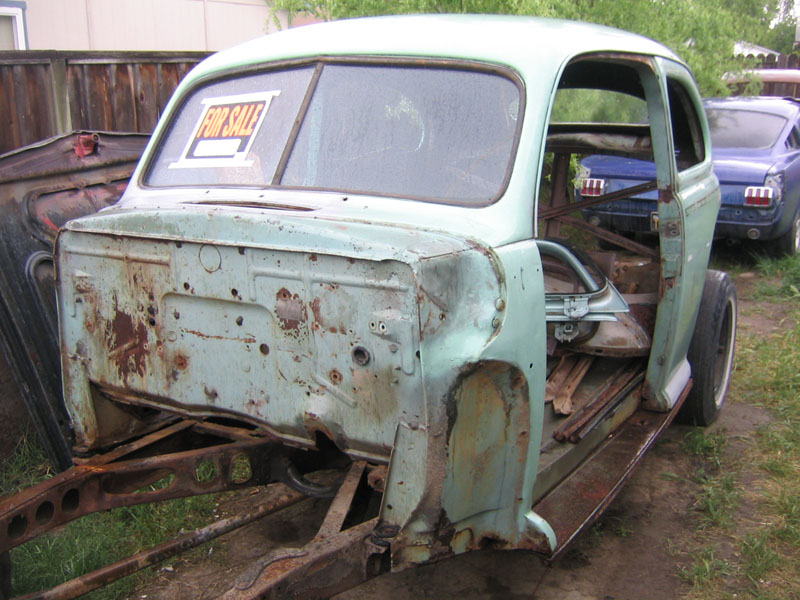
(344, 248)
(42, 186)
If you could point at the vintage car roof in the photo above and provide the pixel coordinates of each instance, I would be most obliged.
(537, 48)
(784, 107)
(507, 40)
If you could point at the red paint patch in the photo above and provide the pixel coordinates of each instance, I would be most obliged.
(128, 348)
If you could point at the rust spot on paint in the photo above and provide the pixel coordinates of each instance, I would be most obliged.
(335, 377)
(128, 348)
(313, 258)
(316, 309)
(200, 334)
(181, 362)
(290, 310)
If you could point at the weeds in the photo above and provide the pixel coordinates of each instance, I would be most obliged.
(763, 520)
(719, 493)
(759, 557)
(786, 270)
(717, 500)
(709, 446)
(27, 465)
(706, 566)
(95, 540)
(787, 506)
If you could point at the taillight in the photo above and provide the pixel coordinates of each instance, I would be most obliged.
(593, 187)
(766, 195)
(759, 196)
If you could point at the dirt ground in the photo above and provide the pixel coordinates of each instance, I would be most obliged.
(635, 551)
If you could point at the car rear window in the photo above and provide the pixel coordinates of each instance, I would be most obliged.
(736, 128)
(440, 134)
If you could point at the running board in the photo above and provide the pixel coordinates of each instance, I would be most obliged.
(580, 499)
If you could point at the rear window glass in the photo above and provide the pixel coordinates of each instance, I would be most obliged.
(731, 128)
(434, 133)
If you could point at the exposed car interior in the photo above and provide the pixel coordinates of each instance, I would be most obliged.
(602, 287)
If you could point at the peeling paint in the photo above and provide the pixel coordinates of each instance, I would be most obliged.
(128, 345)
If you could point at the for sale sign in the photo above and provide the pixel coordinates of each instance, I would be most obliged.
(225, 131)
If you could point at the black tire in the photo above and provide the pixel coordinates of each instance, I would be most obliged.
(789, 243)
(711, 351)
(5, 576)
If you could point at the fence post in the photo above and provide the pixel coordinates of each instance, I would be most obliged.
(58, 80)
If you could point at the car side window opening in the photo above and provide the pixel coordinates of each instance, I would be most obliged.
(793, 141)
(687, 134)
(603, 114)
(600, 285)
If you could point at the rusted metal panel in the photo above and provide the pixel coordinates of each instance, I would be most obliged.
(581, 498)
(41, 187)
(45, 93)
(91, 581)
(93, 487)
(288, 321)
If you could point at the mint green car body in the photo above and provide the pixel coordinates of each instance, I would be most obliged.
(447, 300)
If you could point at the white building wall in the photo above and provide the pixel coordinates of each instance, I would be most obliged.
(145, 24)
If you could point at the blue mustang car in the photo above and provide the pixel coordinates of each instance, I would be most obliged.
(756, 155)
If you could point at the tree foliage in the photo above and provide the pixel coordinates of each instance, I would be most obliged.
(702, 32)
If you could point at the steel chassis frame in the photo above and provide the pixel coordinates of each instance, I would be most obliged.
(342, 554)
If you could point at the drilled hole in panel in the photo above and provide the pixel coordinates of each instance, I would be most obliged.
(206, 471)
(45, 512)
(17, 527)
(361, 356)
(241, 471)
(71, 500)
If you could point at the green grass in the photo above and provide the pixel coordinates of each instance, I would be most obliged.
(765, 535)
(785, 271)
(706, 566)
(708, 445)
(717, 500)
(719, 494)
(760, 557)
(94, 540)
(26, 466)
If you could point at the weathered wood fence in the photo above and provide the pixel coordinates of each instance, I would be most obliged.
(45, 93)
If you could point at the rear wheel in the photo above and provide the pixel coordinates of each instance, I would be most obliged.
(789, 243)
(711, 350)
